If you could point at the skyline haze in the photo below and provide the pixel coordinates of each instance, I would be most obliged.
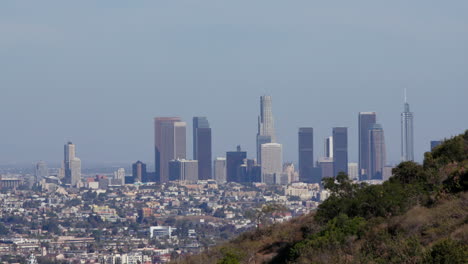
(99, 81)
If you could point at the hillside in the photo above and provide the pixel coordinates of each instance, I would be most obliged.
(419, 216)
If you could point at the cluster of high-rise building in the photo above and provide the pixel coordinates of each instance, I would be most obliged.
(171, 161)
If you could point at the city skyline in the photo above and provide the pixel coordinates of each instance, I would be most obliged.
(317, 152)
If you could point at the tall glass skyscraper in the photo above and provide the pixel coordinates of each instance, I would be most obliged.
(366, 121)
(407, 143)
(202, 146)
(377, 151)
(170, 144)
(139, 173)
(306, 153)
(340, 150)
(72, 165)
(234, 159)
(266, 126)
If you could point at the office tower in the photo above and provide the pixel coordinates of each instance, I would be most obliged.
(340, 150)
(41, 171)
(377, 157)
(220, 170)
(202, 146)
(266, 127)
(353, 171)
(290, 171)
(326, 169)
(119, 176)
(306, 153)
(249, 171)
(435, 143)
(272, 162)
(234, 159)
(139, 172)
(170, 144)
(72, 165)
(407, 143)
(366, 120)
(254, 171)
(328, 151)
(183, 170)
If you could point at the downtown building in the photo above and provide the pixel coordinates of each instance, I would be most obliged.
(183, 170)
(306, 154)
(234, 160)
(407, 139)
(266, 127)
(202, 147)
(72, 165)
(272, 162)
(139, 173)
(340, 150)
(40, 171)
(366, 121)
(377, 152)
(220, 170)
(169, 144)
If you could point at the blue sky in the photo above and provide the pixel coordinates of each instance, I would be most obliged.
(97, 72)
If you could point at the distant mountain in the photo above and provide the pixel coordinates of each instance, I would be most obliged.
(419, 216)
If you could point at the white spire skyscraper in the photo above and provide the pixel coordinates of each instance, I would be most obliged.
(407, 143)
(266, 126)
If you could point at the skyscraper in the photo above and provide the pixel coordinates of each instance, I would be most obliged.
(72, 165)
(340, 150)
(119, 176)
(306, 153)
(366, 120)
(234, 159)
(202, 146)
(250, 171)
(266, 127)
(139, 172)
(377, 151)
(272, 162)
(183, 170)
(220, 170)
(326, 169)
(353, 171)
(170, 144)
(407, 143)
(41, 171)
(328, 148)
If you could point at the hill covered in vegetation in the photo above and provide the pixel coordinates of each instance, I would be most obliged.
(419, 216)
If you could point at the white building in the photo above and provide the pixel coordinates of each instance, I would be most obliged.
(120, 175)
(41, 171)
(272, 162)
(161, 231)
(220, 170)
(353, 171)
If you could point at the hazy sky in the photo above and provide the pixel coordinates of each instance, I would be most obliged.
(97, 72)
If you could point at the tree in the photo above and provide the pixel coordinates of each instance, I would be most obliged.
(447, 251)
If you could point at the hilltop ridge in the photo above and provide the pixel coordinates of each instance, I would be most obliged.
(419, 216)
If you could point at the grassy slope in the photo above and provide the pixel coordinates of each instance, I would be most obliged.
(420, 216)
